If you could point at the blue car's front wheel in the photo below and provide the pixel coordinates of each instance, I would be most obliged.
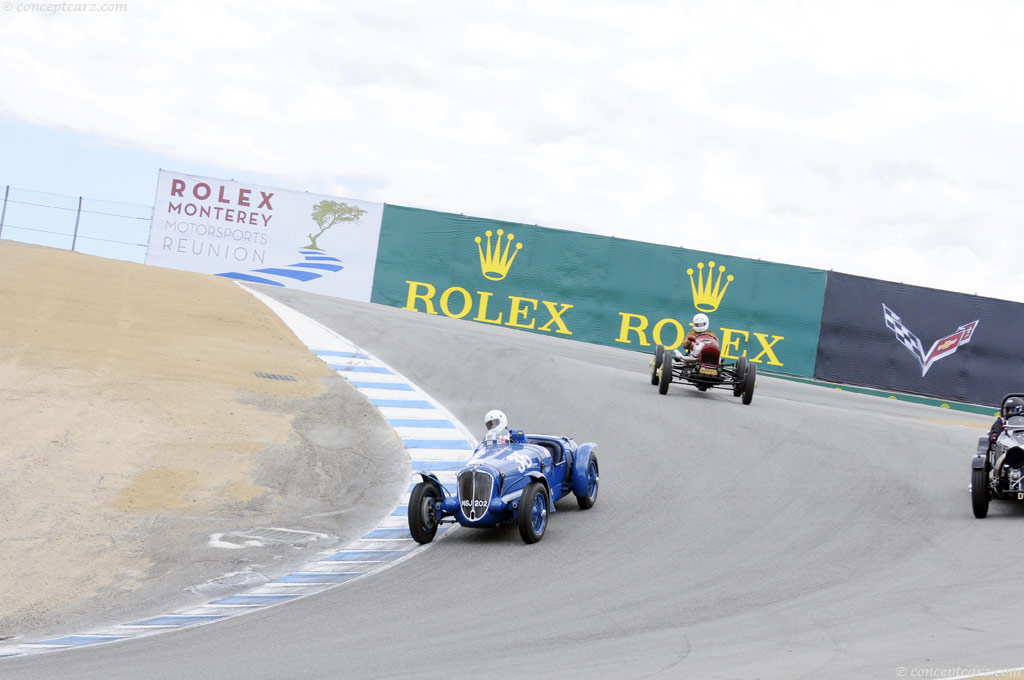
(423, 519)
(533, 512)
(593, 481)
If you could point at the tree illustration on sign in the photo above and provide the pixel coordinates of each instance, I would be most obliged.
(329, 213)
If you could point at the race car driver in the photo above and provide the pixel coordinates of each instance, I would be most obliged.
(1014, 406)
(497, 427)
(701, 326)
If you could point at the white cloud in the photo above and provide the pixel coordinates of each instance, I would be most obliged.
(876, 138)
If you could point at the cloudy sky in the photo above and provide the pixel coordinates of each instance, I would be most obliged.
(875, 138)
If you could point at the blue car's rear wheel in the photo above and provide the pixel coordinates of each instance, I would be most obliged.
(593, 480)
(533, 512)
(422, 516)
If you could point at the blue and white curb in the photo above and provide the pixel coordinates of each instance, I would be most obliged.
(434, 439)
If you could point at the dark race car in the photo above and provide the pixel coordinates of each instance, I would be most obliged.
(502, 484)
(703, 368)
(997, 470)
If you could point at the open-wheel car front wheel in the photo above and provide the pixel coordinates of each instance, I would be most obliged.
(979, 492)
(749, 380)
(659, 356)
(665, 377)
(741, 374)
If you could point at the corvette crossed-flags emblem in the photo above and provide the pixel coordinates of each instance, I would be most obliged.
(942, 347)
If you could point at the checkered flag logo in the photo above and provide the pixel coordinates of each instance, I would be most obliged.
(942, 347)
(903, 334)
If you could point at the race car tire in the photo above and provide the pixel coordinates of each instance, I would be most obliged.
(741, 373)
(593, 481)
(749, 380)
(659, 355)
(533, 512)
(666, 374)
(422, 520)
(979, 492)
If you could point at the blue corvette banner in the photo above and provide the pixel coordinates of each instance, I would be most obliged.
(919, 340)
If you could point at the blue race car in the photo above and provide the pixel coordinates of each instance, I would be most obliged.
(509, 483)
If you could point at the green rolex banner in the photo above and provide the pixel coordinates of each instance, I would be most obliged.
(597, 289)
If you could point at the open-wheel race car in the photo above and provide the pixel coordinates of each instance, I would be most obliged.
(997, 469)
(703, 368)
(508, 483)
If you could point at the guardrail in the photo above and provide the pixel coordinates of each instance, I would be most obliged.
(93, 226)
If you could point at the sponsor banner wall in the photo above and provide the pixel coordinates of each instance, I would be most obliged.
(597, 289)
(920, 340)
(294, 239)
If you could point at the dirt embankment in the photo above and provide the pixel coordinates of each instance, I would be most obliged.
(134, 426)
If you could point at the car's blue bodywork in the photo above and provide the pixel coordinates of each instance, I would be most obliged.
(490, 487)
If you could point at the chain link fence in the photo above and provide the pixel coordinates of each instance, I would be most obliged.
(86, 225)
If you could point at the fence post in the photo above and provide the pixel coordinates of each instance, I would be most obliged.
(3, 214)
(78, 215)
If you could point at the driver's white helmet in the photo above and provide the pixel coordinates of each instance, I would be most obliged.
(700, 322)
(495, 420)
(496, 423)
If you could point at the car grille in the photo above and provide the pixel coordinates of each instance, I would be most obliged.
(475, 486)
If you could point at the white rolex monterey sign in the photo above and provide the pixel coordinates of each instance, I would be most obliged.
(294, 239)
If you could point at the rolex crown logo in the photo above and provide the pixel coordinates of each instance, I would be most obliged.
(495, 263)
(707, 297)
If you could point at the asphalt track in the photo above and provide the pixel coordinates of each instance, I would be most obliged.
(813, 534)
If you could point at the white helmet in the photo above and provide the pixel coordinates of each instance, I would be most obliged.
(700, 322)
(495, 420)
